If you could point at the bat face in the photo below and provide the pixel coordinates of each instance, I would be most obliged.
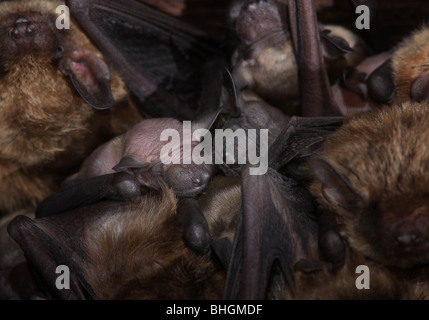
(45, 71)
(372, 174)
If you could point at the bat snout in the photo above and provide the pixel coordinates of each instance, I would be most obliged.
(407, 236)
(410, 238)
(22, 29)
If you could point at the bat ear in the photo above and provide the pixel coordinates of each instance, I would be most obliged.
(380, 83)
(230, 95)
(333, 46)
(336, 188)
(420, 88)
(90, 76)
(46, 249)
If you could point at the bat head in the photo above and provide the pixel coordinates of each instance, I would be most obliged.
(31, 35)
(258, 19)
(372, 175)
(392, 231)
(188, 179)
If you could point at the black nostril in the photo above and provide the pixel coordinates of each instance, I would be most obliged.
(31, 28)
(22, 27)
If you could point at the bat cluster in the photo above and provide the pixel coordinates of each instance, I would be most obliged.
(85, 187)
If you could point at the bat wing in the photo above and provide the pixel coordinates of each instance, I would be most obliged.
(46, 246)
(158, 56)
(83, 192)
(277, 223)
(316, 95)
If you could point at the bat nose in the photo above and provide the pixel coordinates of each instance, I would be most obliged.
(407, 236)
(22, 28)
(407, 239)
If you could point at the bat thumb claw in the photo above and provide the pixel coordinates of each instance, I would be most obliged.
(128, 163)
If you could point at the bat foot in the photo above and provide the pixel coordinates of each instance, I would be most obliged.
(128, 187)
(332, 247)
(198, 238)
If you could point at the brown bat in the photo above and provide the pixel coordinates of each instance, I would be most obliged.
(265, 58)
(409, 68)
(133, 162)
(402, 75)
(385, 283)
(150, 259)
(376, 186)
(50, 78)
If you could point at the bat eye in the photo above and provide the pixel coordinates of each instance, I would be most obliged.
(82, 62)
(197, 182)
(59, 52)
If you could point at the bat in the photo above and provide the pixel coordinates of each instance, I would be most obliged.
(410, 83)
(388, 78)
(379, 205)
(367, 86)
(56, 90)
(265, 62)
(151, 260)
(159, 56)
(130, 163)
(386, 283)
(401, 86)
(386, 245)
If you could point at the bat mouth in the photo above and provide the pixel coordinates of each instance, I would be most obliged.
(191, 192)
(413, 254)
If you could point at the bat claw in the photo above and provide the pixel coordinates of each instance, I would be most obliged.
(127, 163)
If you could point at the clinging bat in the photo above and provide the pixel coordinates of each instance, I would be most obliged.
(376, 184)
(124, 167)
(402, 74)
(409, 72)
(118, 250)
(159, 57)
(265, 59)
(405, 86)
(52, 82)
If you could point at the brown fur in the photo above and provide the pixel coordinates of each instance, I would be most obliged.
(384, 154)
(46, 127)
(385, 283)
(220, 203)
(271, 69)
(409, 61)
(150, 258)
